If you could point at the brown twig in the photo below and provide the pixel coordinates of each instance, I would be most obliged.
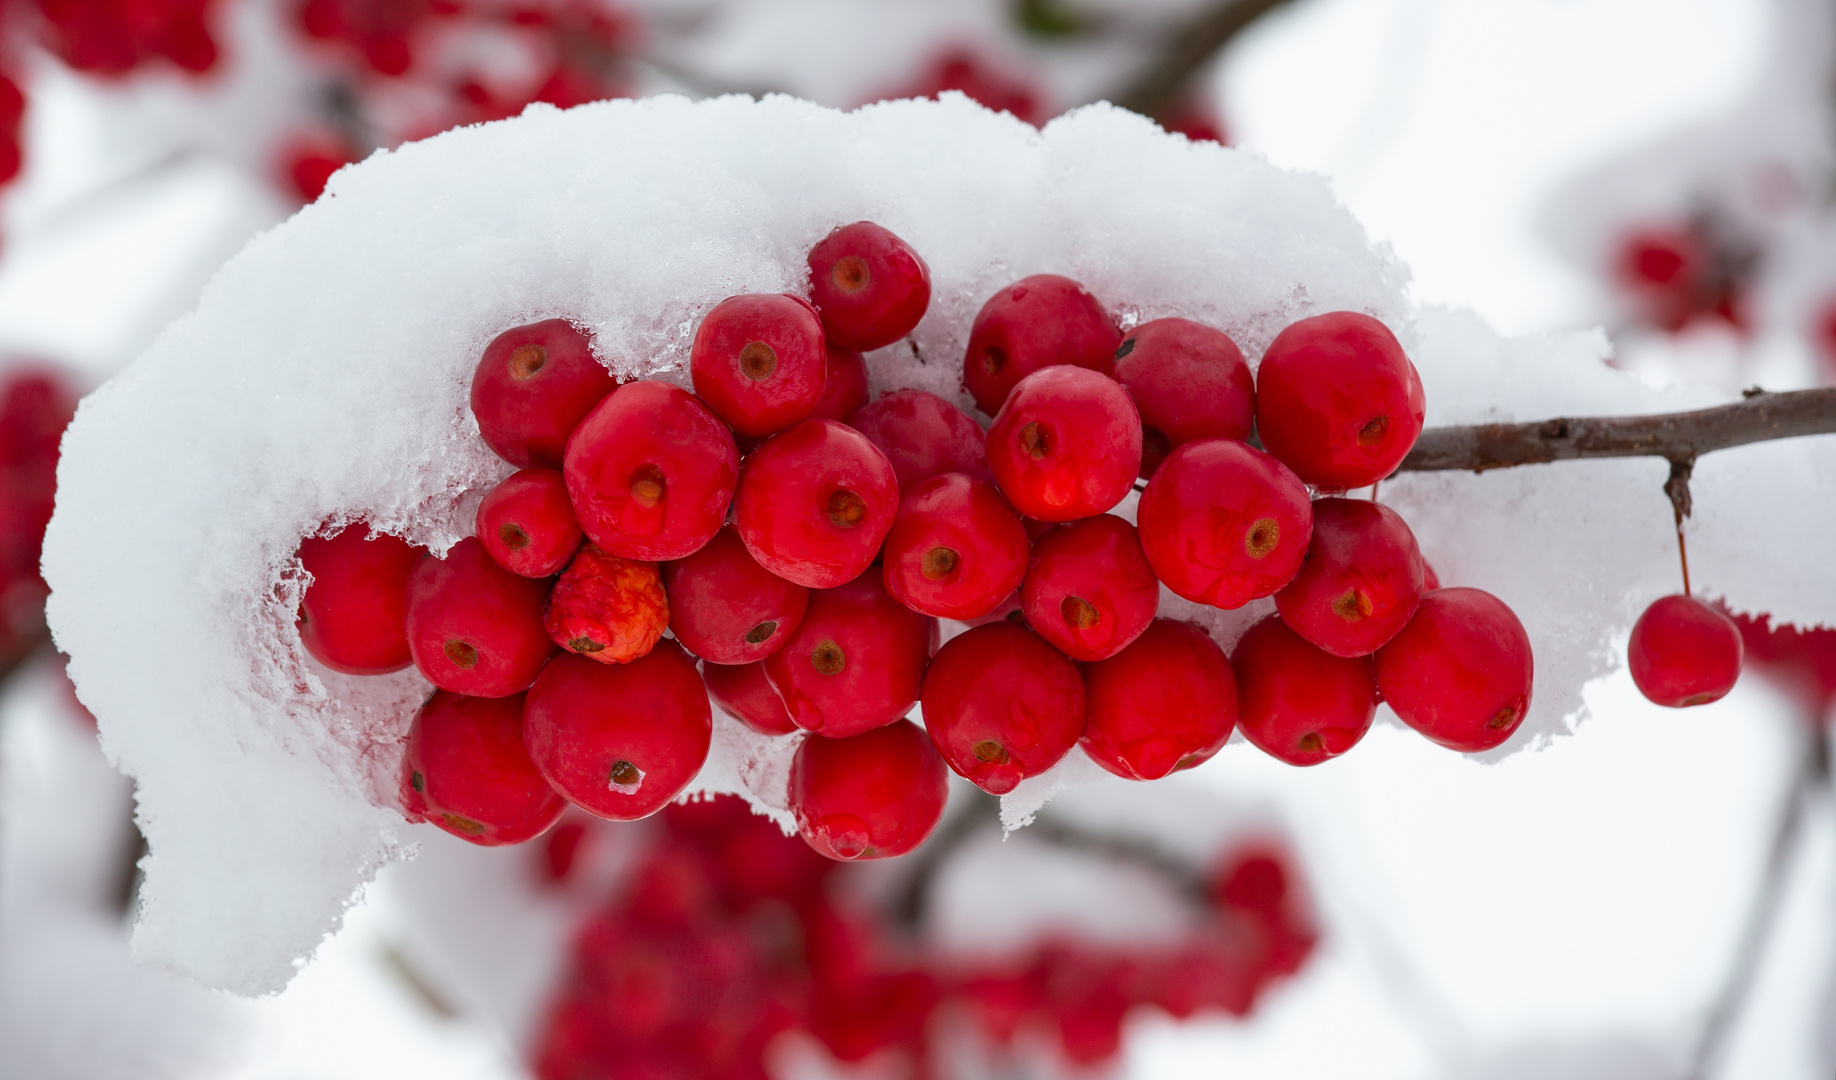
(1157, 89)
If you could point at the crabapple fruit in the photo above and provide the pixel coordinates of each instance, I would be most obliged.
(815, 502)
(353, 617)
(726, 608)
(875, 795)
(527, 523)
(1297, 702)
(1337, 401)
(870, 286)
(1460, 671)
(1002, 705)
(1037, 321)
(1168, 701)
(1066, 445)
(473, 627)
(1089, 589)
(533, 387)
(758, 361)
(855, 660)
(955, 550)
(924, 435)
(1223, 523)
(844, 386)
(1360, 581)
(744, 691)
(1189, 381)
(464, 768)
(606, 608)
(1684, 652)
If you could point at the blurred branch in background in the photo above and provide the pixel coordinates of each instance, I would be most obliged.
(1158, 89)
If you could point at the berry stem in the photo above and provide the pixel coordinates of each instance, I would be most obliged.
(1677, 487)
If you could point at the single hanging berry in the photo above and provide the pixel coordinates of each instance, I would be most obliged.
(464, 769)
(1089, 589)
(726, 608)
(923, 435)
(1684, 652)
(870, 286)
(956, 549)
(527, 523)
(1002, 705)
(1223, 523)
(1066, 445)
(606, 608)
(1460, 672)
(854, 661)
(1168, 701)
(743, 691)
(1361, 579)
(875, 795)
(353, 617)
(1297, 702)
(473, 627)
(1036, 322)
(758, 361)
(532, 388)
(1337, 401)
(815, 502)
(1189, 381)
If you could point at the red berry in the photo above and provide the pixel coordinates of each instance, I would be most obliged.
(855, 660)
(473, 627)
(1033, 323)
(353, 617)
(1460, 672)
(844, 385)
(875, 795)
(1167, 701)
(956, 549)
(1089, 589)
(651, 472)
(758, 361)
(726, 608)
(1430, 580)
(1066, 445)
(1682, 653)
(1297, 702)
(532, 388)
(620, 740)
(465, 769)
(1337, 401)
(743, 691)
(1002, 705)
(1189, 381)
(924, 435)
(869, 285)
(815, 502)
(606, 608)
(527, 523)
(1223, 523)
(1361, 579)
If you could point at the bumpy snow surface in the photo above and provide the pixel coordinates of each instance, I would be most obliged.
(324, 378)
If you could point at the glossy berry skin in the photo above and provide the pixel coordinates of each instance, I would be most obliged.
(1684, 652)
(353, 617)
(619, 740)
(1337, 401)
(1066, 445)
(473, 627)
(924, 435)
(870, 286)
(815, 502)
(726, 608)
(1460, 672)
(956, 549)
(606, 608)
(758, 361)
(1168, 701)
(1036, 322)
(854, 662)
(844, 385)
(1296, 702)
(1360, 582)
(533, 387)
(651, 472)
(1189, 381)
(1002, 705)
(464, 769)
(743, 691)
(527, 523)
(1089, 589)
(875, 795)
(1223, 523)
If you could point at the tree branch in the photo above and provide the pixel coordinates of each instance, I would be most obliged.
(1157, 89)
(1676, 437)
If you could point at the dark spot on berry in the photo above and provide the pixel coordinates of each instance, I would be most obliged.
(759, 633)
(994, 358)
(417, 781)
(991, 752)
(1079, 613)
(1311, 743)
(1127, 346)
(846, 509)
(585, 645)
(850, 274)
(938, 562)
(1351, 607)
(512, 536)
(1508, 715)
(1262, 538)
(526, 360)
(827, 658)
(1155, 444)
(648, 485)
(463, 824)
(625, 775)
(1374, 431)
(1035, 440)
(1187, 762)
(757, 360)
(461, 653)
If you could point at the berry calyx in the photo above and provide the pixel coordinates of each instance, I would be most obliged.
(743, 691)
(619, 740)
(1684, 652)
(606, 608)
(353, 617)
(876, 795)
(1461, 671)
(854, 662)
(956, 549)
(464, 769)
(1223, 523)
(870, 286)
(1037, 321)
(651, 472)
(1066, 445)
(1089, 589)
(1361, 579)
(726, 608)
(1002, 705)
(844, 385)
(527, 523)
(533, 387)
(924, 435)
(815, 502)
(758, 361)
(473, 627)
(1189, 381)
(1337, 401)
(1168, 701)
(1297, 702)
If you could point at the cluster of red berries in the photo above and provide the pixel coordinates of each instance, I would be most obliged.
(634, 513)
(114, 37)
(36, 404)
(1679, 274)
(727, 935)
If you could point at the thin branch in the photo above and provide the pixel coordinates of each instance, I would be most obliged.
(1676, 437)
(1157, 89)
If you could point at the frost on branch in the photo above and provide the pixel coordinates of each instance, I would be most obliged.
(324, 378)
